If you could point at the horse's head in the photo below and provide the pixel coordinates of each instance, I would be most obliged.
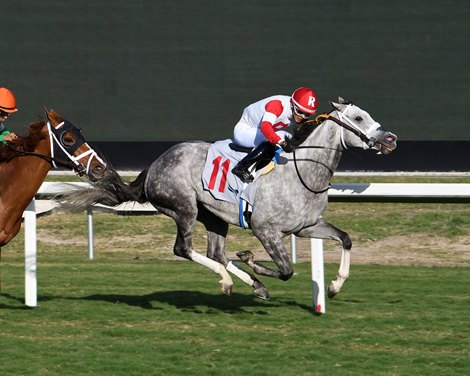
(360, 130)
(67, 142)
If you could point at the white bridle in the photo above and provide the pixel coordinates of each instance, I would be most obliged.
(375, 125)
(74, 159)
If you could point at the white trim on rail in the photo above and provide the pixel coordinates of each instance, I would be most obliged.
(337, 190)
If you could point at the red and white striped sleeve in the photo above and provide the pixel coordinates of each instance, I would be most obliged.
(273, 109)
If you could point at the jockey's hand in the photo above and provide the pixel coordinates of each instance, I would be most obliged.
(10, 137)
(288, 148)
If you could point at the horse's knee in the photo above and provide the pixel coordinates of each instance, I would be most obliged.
(181, 252)
(346, 241)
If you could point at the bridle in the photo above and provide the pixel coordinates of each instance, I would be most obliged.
(347, 124)
(57, 146)
(59, 149)
(344, 123)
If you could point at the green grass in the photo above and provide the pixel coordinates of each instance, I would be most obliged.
(131, 317)
(135, 310)
(378, 220)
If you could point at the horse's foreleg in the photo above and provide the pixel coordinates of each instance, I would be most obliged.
(343, 273)
(324, 230)
(217, 231)
(248, 258)
(258, 288)
(275, 247)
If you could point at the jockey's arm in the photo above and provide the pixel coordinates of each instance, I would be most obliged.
(268, 131)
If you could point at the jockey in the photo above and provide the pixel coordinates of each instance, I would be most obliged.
(7, 107)
(262, 126)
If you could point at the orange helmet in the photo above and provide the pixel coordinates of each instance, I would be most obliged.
(305, 100)
(7, 100)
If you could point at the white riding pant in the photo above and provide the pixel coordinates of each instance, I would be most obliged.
(250, 137)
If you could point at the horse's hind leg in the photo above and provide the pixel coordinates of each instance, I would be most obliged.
(324, 230)
(217, 231)
(185, 223)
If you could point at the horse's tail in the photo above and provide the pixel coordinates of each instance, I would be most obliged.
(111, 190)
(136, 188)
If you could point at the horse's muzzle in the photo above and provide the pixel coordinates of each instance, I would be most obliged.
(388, 143)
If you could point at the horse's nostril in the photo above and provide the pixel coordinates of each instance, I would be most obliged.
(98, 168)
(391, 138)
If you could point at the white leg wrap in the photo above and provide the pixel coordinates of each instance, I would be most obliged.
(245, 277)
(212, 265)
(345, 263)
(343, 272)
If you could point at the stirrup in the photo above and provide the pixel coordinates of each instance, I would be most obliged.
(243, 175)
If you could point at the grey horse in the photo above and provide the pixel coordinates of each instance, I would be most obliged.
(289, 200)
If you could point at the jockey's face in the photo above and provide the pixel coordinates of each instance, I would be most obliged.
(297, 118)
(3, 115)
(298, 115)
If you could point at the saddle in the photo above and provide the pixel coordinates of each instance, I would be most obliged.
(266, 163)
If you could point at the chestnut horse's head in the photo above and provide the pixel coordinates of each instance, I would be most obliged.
(68, 144)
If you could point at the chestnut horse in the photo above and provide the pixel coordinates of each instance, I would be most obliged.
(25, 162)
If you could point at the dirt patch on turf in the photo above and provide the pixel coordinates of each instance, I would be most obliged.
(153, 237)
(394, 250)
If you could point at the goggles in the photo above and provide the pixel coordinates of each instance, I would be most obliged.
(303, 115)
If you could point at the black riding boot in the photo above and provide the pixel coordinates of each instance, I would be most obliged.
(265, 150)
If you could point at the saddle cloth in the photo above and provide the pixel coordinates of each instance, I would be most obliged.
(217, 176)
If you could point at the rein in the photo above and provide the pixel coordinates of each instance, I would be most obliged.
(319, 120)
(47, 158)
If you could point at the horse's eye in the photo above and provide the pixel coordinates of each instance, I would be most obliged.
(358, 118)
(68, 140)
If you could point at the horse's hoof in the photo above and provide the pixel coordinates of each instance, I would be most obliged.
(331, 291)
(262, 293)
(245, 256)
(226, 289)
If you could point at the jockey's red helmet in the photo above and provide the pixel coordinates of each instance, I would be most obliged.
(305, 100)
(7, 100)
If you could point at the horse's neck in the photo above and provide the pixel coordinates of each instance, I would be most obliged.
(36, 167)
(326, 140)
(21, 178)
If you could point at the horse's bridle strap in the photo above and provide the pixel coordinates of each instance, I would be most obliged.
(79, 167)
(53, 161)
(350, 128)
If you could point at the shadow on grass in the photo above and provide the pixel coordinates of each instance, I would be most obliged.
(14, 299)
(196, 302)
(185, 301)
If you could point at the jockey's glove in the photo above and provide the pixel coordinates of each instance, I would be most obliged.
(286, 146)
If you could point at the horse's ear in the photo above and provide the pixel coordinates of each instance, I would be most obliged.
(47, 112)
(53, 116)
(341, 103)
(344, 101)
(336, 106)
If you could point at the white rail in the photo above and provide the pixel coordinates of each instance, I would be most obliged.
(435, 192)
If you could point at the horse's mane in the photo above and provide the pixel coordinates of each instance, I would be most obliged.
(24, 143)
(302, 132)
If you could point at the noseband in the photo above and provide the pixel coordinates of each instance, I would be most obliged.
(57, 147)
